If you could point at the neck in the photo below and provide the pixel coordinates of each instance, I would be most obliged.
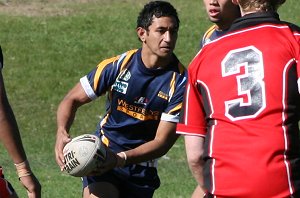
(153, 61)
(251, 11)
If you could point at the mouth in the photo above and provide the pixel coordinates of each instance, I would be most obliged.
(166, 48)
(213, 12)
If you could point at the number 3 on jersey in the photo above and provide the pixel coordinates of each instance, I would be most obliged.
(249, 83)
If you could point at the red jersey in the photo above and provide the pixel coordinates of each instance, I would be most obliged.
(242, 96)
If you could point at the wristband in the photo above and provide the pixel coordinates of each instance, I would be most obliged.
(23, 169)
(124, 158)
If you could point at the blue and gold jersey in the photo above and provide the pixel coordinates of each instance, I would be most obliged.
(137, 98)
(211, 34)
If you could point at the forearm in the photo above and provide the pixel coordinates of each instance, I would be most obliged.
(159, 146)
(197, 171)
(148, 151)
(65, 115)
(67, 108)
(194, 152)
(9, 133)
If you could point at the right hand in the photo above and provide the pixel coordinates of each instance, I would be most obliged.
(32, 186)
(62, 138)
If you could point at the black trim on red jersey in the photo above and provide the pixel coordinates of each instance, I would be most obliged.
(254, 19)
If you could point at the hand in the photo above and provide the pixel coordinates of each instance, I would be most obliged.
(112, 161)
(32, 186)
(62, 138)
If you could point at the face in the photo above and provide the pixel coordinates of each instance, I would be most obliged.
(160, 38)
(221, 12)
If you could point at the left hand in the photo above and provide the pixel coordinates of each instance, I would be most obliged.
(112, 161)
(32, 185)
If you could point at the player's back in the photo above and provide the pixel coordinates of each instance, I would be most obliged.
(249, 82)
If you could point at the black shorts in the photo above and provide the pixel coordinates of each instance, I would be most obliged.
(131, 181)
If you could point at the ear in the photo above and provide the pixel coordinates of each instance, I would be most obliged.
(141, 32)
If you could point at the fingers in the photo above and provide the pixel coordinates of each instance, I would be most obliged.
(104, 166)
(62, 138)
(32, 185)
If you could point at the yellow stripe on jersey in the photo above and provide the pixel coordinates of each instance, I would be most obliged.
(125, 61)
(177, 108)
(172, 85)
(104, 120)
(127, 58)
(100, 68)
(104, 139)
(209, 32)
(181, 68)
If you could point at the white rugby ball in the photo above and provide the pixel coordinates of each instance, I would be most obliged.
(83, 154)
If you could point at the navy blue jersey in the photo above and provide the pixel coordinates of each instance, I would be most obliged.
(211, 34)
(137, 98)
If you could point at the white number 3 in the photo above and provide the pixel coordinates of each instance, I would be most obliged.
(250, 99)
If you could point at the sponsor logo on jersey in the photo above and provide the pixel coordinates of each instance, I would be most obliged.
(120, 86)
(163, 95)
(137, 112)
(125, 75)
(141, 100)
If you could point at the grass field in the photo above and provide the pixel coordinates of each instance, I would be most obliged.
(49, 45)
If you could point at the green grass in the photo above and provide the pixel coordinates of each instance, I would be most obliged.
(49, 45)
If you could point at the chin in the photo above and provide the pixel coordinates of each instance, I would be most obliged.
(166, 52)
(164, 55)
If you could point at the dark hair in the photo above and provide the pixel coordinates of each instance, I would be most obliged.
(156, 9)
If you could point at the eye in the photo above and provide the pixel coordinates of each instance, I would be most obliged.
(161, 30)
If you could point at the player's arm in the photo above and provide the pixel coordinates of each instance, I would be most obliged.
(9, 132)
(65, 117)
(194, 152)
(193, 125)
(198, 192)
(10, 137)
(165, 138)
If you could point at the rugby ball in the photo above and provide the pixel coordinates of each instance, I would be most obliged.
(83, 154)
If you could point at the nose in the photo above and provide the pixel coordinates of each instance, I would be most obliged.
(167, 36)
(213, 2)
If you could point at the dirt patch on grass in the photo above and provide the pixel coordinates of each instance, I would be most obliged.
(38, 8)
(52, 7)
(32, 9)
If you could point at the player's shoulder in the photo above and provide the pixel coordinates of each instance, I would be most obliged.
(210, 30)
(293, 27)
(128, 54)
(208, 34)
(119, 60)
